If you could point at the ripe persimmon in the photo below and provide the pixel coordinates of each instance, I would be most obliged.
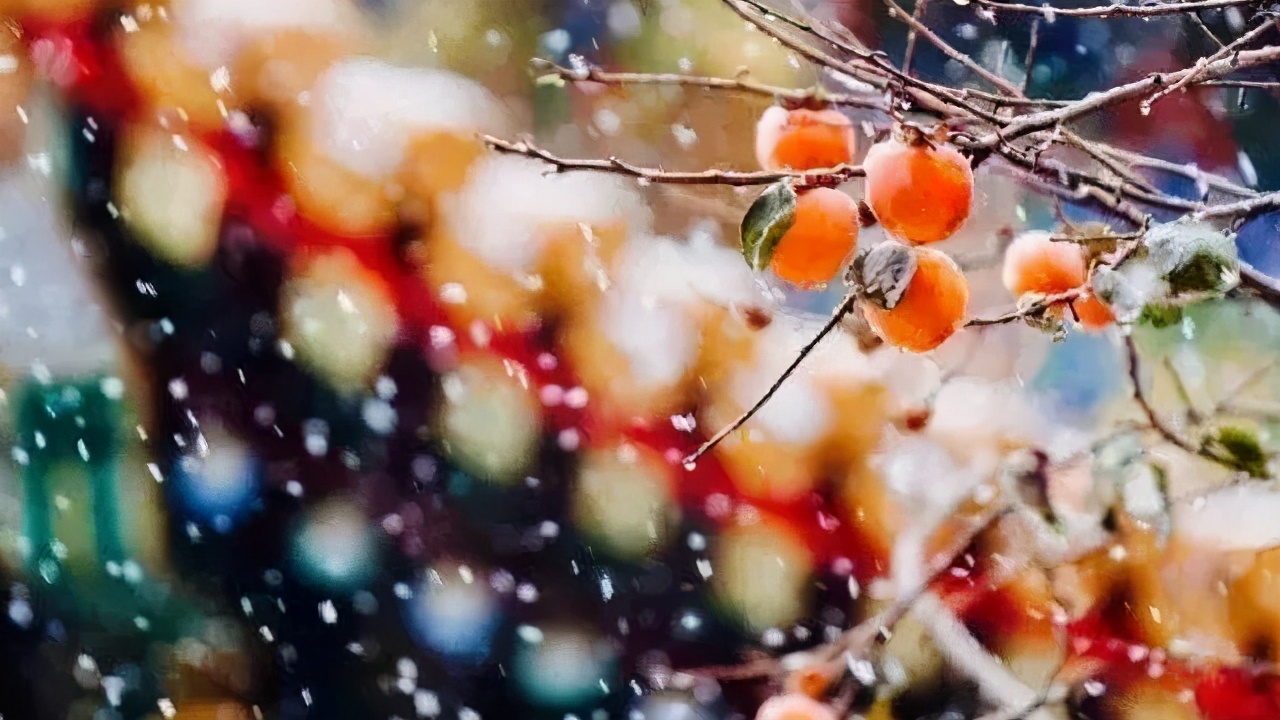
(794, 706)
(803, 139)
(1033, 263)
(930, 308)
(1092, 313)
(918, 189)
(821, 237)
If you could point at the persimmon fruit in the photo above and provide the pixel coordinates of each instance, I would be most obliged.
(931, 306)
(820, 240)
(919, 190)
(804, 139)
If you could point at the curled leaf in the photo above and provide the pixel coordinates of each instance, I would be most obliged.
(766, 221)
(1180, 263)
(883, 273)
(1195, 259)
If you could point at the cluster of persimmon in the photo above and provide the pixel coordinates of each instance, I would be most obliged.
(920, 190)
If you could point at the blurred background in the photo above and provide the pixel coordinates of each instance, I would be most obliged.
(312, 409)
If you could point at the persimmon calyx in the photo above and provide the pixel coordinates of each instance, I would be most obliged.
(766, 221)
(881, 274)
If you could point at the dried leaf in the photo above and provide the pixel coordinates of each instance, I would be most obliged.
(883, 273)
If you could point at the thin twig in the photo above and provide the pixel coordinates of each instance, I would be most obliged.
(1162, 428)
(1114, 10)
(1191, 172)
(1243, 208)
(1139, 396)
(911, 36)
(1026, 124)
(1059, 237)
(843, 309)
(1031, 55)
(617, 166)
(1031, 310)
(1184, 393)
(1189, 77)
(742, 83)
(860, 639)
(916, 26)
(1195, 18)
(1255, 376)
(1255, 84)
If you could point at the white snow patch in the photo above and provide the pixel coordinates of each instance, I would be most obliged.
(1242, 517)
(366, 111)
(500, 213)
(213, 32)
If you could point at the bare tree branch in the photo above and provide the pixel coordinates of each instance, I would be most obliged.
(1190, 77)
(1161, 427)
(916, 13)
(1032, 122)
(1243, 208)
(1030, 311)
(1031, 55)
(742, 83)
(1116, 9)
(617, 166)
(921, 29)
(843, 309)
(863, 637)
(1195, 19)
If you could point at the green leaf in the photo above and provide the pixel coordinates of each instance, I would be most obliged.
(549, 80)
(1161, 316)
(1238, 448)
(766, 221)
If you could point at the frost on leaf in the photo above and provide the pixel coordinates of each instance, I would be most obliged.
(883, 273)
(1180, 263)
(766, 221)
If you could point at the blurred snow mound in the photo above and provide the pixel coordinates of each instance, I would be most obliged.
(213, 32)
(507, 201)
(366, 111)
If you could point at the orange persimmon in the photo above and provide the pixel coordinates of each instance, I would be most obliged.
(803, 139)
(821, 237)
(930, 309)
(919, 190)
